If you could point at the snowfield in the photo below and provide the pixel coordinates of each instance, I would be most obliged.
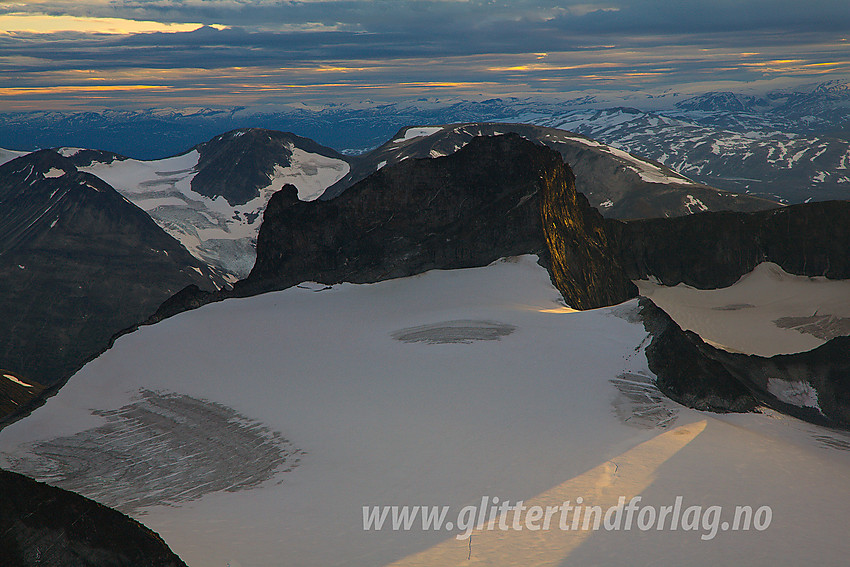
(213, 230)
(766, 312)
(437, 389)
(9, 155)
(413, 133)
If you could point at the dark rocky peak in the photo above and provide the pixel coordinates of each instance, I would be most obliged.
(237, 164)
(78, 263)
(42, 189)
(498, 196)
(44, 192)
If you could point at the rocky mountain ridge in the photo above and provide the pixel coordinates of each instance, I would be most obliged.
(78, 263)
(616, 183)
(496, 197)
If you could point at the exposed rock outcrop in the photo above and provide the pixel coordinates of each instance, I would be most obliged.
(498, 196)
(686, 371)
(813, 385)
(712, 250)
(237, 164)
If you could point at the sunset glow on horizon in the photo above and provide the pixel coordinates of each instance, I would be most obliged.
(93, 54)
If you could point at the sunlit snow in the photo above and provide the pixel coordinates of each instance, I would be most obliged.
(438, 389)
(766, 312)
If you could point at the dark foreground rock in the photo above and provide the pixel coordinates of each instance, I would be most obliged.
(42, 525)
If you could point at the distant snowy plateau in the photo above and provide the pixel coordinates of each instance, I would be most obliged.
(437, 389)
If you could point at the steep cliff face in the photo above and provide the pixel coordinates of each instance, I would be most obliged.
(583, 266)
(42, 525)
(712, 250)
(498, 196)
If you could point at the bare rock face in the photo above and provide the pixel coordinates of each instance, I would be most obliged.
(41, 525)
(686, 371)
(712, 250)
(498, 196)
(813, 385)
(583, 265)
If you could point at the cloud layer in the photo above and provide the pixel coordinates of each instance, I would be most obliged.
(276, 51)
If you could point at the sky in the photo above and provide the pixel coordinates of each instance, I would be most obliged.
(135, 54)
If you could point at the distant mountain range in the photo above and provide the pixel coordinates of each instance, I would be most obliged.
(787, 145)
(749, 157)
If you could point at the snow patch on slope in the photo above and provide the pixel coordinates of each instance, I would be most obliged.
(68, 152)
(412, 133)
(800, 394)
(9, 155)
(54, 172)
